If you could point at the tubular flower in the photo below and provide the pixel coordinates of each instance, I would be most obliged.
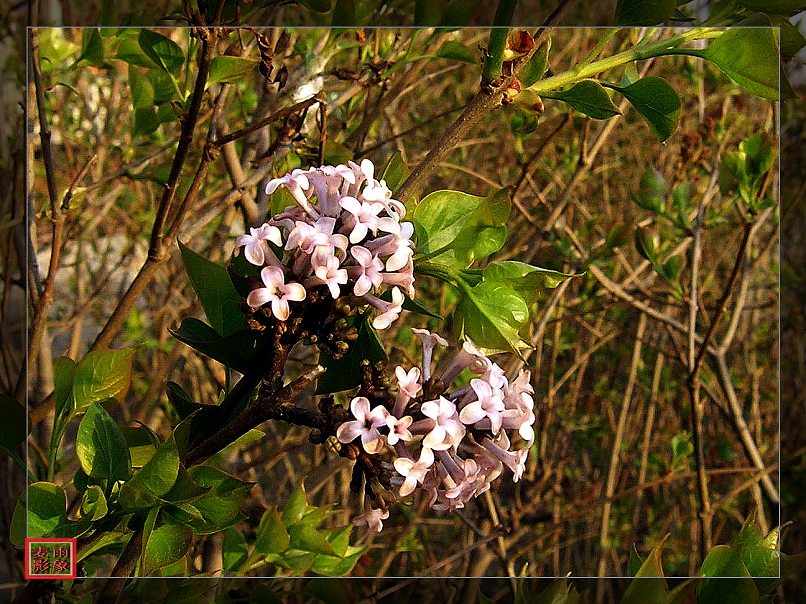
(451, 443)
(344, 232)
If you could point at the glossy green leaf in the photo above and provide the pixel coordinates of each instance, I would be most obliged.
(63, 373)
(92, 47)
(14, 427)
(216, 292)
(180, 401)
(237, 351)
(101, 375)
(491, 314)
(456, 228)
(225, 68)
(749, 56)
(335, 566)
(295, 507)
(272, 536)
(649, 585)
(129, 51)
(141, 443)
(46, 515)
(100, 446)
(93, 503)
(220, 506)
(166, 543)
(643, 12)
(774, 7)
(159, 474)
(527, 280)
(791, 40)
(345, 373)
(657, 102)
(161, 50)
(185, 488)
(588, 97)
(307, 538)
(725, 561)
(457, 51)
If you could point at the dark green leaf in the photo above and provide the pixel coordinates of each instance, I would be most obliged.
(459, 12)
(791, 40)
(491, 314)
(559, 591)
(216, 292)
(328, 591)
(236, 351)
(162, 50)
(129, 51)
(167, 542)
(344, 13)
(180, 400)
(221, 506)
(657, 102)
(46, 515)
(225, 68)
(234, 550)
(92, 48)
(651, 192)
(345, 373)
(455, 228)
(725, 561)
(100, 446)
(648, 586)
(749, 56)
(774, 7)
(427, 13)
(14, 427)
(101, 375)
(159, 474)
(63, 372)
(318, 6)
(589, 97)
(185, 488)
(643, 12)
(458, 52)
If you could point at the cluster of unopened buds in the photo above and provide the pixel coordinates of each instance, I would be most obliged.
(453, 445)
(344, 231)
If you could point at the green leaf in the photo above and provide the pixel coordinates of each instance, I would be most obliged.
(162, 50)
(46, 515)
(100, 446)
(317, 6)
(159, 474)
(141, 443)
(725, 561)
(216, 292)
(93, 503)
(225, 68)
(458, 52)
(748, 56)
(63, 372)
(237, 351)
(180, 401)
(272, 535)
(395, 171)
(774, 7)
(334, 566)
(536, 67)
(459, 12)
(589, 97)
(220, 507)
(92, 48)
(648, 586)
(491, 314)
(656, 101)
(167, 542)
(101, 375)
(142, 90)
(295, 507)
(791, 40)
(427, 13)
(185, 488)
(651, 191)
(643, 12)
(345, 373)
(559, 591)
(234, 550)
(306, 538)
(456, 228)
(329, 591)
(527, 280)
(129, 51)
(14, 427)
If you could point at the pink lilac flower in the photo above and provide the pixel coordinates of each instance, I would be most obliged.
(277, 292)
(363, 218)
(448, 431)
(408, 385)
(366, 425)
(371, 518)
(488, 404)
(413, 471)
(296, 183)
(331, 275)
(514, 460)
(256, 249)
(390, 311)
(429, 341)
(367, 270)
(398, 429)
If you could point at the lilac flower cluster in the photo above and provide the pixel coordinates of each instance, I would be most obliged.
(345, 232)
(455, 445)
